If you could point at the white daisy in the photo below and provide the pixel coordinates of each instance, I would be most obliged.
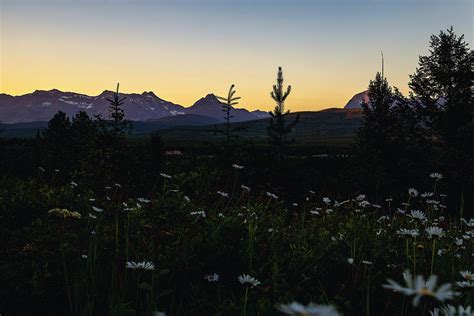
(311, 309)
(247, 279)
(212, 277)
(420, 287)
(434, 231)
(144, 265)
(97, 209)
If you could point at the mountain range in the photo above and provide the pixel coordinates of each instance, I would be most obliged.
(42, 105)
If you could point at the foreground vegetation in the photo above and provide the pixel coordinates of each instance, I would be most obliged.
(76, 252)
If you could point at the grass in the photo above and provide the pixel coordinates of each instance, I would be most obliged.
(316, 250)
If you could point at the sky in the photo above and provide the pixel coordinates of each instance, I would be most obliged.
(185, 49)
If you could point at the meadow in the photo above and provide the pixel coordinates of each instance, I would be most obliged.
(191, 247)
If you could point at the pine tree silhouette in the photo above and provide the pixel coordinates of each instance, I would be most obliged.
(278, 128)
(227, 107)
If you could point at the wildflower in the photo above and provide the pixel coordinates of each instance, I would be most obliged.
(314, 212)
(467, 275)
(408, 232)
(360, 197)
(413, 192)
(236, 166)
(436, 176)
(166, 176)
(399, 210)
(450, 310)
(326, 200)
(415, 214)
(364, 204)
(84, 256)
(434, 231)
(421, 288)
(97, 209)
(273, 196)
(221, 215)
(212, 277)
(247, 279)
(426, 194)
(350, 260)
(73, 184)
(92, 216)
(245, 188)
(64, 213)
(458, 241)
(200, 213)
(295, 204)
(223, 194)
(144, 265)
(311, 309)
(441, 252)
(187, 199)
(270, 230)
(142, 200)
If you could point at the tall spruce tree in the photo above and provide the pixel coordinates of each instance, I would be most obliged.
(441, 86)
(442, 96)
(118, 125)
(113, 139)
(278, 127)
(57, 143)
(376, 136)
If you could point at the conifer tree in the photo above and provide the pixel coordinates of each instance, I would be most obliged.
(441, 85)
(227, 107)
(57, 142)
(442, 97)
(278, 128)
(375, 138)
(118, 124)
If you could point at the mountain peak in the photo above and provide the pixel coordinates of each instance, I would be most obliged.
(45, 92)
(150, 94)
(357, 99)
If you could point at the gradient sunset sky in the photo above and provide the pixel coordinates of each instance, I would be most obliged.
(183, 50)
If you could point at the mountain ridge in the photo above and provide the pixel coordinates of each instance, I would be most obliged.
(41, 105)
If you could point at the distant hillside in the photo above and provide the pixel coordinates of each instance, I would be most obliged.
(322, 124)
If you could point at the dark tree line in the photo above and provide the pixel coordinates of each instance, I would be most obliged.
(403, 139)
(95, 151)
